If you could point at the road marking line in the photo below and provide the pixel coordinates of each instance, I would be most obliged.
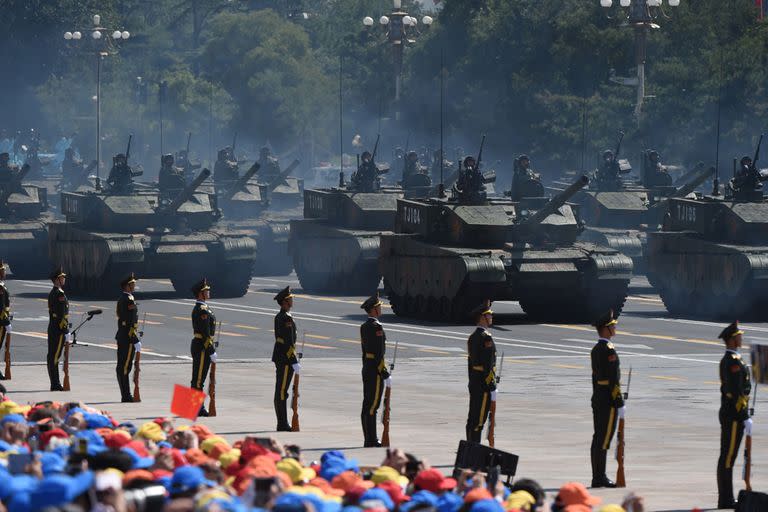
(317, 337)
(152, 322)
(180, 318)
(433, 351)
(235, 334)
(570, 366)
(155, 314)
(645, 299)
(250, 327)
(324, 347)
(347, 340)
(618, 345)
(520, 361)
(715, 382)
(666, 377)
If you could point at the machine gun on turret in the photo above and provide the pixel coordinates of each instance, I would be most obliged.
(555, 203)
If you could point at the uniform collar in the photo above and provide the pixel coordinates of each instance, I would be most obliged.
(735, 352)
(480, 327)
(200, 302)
(604, 339)
(373, 318)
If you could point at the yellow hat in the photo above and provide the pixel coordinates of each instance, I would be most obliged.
(209, 443)
(229, 457)
(305, 490)
(9, 407)
(213, 494)
(611, 508)
(522, 500)
(295, 471)
(152, 431)
(388, 474)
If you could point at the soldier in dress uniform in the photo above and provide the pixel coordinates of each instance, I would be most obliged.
(127, 336)
(481, 363)
(203, 348)
(284, 356)
(607, 399)
(5, 310)
(375, 373)
(58, 327)
(735, 387)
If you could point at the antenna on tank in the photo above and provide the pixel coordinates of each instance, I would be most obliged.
(441, 188)
(341, 122)
(716, 179)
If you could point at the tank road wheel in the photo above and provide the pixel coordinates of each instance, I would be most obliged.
(232, 280)
(312, 282)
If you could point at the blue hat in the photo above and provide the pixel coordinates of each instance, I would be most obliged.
(334, 463)
(97, 420)
(20, 502)
(377, 494)
(164, 444)
(52, 463)
(13, 418)
(13, 484)
(486, 506)
(73, 411)
(137, 461)
(4, 446)
(95, 442)
(59, 489)
(419, 498)
(130, 427)
(187, 478)
(289, 502)
(449, 502)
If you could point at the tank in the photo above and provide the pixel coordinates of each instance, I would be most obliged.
(248, 210)
(23, 232)
(621, 219)
(448, 256)
(335, 247)
(711, 258)
(106, 236)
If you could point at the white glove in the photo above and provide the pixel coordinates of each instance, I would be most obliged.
(748, 427)
(68, 339)
(493, 395)
(213, 357)
(622, 410)
(296, 368)
(388, 382)
(8, 328)
(137, 346)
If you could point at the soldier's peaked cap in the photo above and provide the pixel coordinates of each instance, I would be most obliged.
(201, 287)
(284, 294)
(128, 280)
(59, 272)
(371, 302)
(605, 320)
(482, 309)
(730, 331)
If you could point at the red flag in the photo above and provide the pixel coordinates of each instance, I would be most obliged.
(186, 402)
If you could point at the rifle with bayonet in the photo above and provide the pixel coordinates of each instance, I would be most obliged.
(212, 383)
(747, 474)
(492, 411)
(388, 403)
(295, 398)
(620, 479)
(137, 364)
(8, 353)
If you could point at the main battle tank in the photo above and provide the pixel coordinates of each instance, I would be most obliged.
(23, 233)
(106, 236)
(449, 255)
(335, 247)
(247, 207)
(711, 258)
(621, 219)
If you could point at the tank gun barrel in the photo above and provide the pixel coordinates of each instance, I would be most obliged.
(241, 181)
(556, 202)
(185, 194)
(280, 178)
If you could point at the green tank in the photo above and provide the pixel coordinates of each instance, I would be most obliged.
(248, 210)
(23, 232)
(335, 248)
(448, 255)
(106, 236)
(711, 258)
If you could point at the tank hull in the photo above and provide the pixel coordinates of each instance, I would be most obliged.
(573, 283)
(703, 278)
(97, 261)
(334, 260)
(24, 247)
(271, 238)
(632, 243)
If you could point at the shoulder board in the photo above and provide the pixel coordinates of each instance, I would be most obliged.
(130, 297)
(609, 345)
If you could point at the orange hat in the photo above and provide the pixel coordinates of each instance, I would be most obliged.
(137, 474)
(195, 456)
(323, 485)
(574, 493)
(349, 479)
(201, 431)
(218, 450)
(263, 466)
(477, 494)
(577, 508)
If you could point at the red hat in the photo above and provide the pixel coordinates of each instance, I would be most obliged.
(233, 469)
(574, 493)
(160, 473)
(250, 449)
(177, 456)
(46, 437)
(138, 447)
(477, 494)
(434, 481)
(353, 494)
(395, 492)
(117, 439)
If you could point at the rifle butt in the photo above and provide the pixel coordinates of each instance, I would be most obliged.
(295, 427)
(8, 356)
(212, 391)
(66, 385)
(385, 418)
(136, 372)
(620, 477)
(748, 463)
(492, 425)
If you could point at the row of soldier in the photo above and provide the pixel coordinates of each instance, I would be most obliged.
(608, 400)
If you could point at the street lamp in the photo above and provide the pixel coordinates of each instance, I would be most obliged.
(641, 16)
(400, 28)
(106, 38)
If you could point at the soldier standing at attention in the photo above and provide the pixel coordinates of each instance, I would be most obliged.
(284, 356)
(735, 387)
(375, 373)
(58, 327)
(5, 310)
(202, 348)
(481, 363)
(607, 400)
(127, 336)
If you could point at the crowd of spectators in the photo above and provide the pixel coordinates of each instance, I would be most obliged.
(68, 456)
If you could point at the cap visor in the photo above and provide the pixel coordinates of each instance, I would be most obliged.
(738, 332)
(612, 322)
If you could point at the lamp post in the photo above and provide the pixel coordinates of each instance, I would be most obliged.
(641, 16)
(104, 39)
(399, 28)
